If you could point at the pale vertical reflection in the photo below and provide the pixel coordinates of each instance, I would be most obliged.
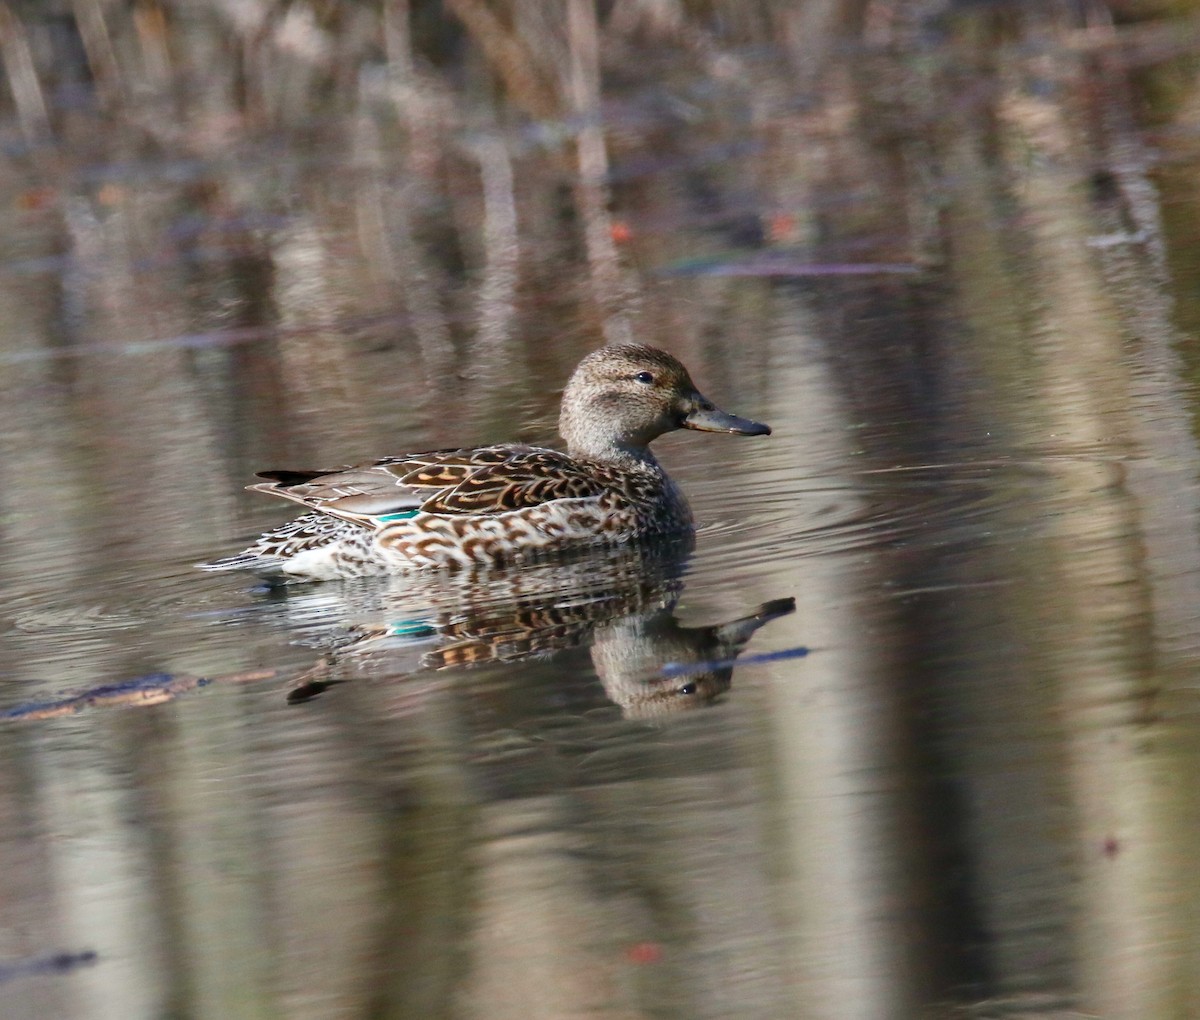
(497, 292)
(810, 31)
(22, 75)
(422, 110)
(1015, 798)
(397, 38)
(317, 363)
(32, 925)
(1164, 479)
(101, 58)
(1165, 485)
(329, 897)
(612, 291)
(421, 293)
(134, 395)
(34, 442)
(99, 873)
(1135, 957)
(213, 862)
(1101, 592)
(673, 867)
(530, 939)
(370, 198)
(841, 781)
(150, 27)
(1117, 532)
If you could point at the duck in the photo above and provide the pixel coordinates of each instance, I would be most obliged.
(505, 503)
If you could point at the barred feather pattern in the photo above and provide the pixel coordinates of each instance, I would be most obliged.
(486, 480)
(484, 506)
(313, 544)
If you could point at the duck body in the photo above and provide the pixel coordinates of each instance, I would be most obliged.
(503, 503)
(457, 508)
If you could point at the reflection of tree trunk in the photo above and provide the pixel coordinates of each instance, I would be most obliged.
(957, 797)
(1130, 552)
(496, 302)
(318, 366)
(102, 60)
(815, 31)
(394, 258)
(841, 862)
(511, 56)
(609, 286)
(22, 75)
(397, 37)
(1033, 262)
(1045, 352)
(530, 950)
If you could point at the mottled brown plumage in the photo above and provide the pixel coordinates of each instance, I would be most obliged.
(498, 503)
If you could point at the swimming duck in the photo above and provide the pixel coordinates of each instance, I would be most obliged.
(498, 504)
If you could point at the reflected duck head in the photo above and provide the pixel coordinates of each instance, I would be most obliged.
(651, 665)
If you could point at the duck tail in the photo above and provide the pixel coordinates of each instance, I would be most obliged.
(249, 559)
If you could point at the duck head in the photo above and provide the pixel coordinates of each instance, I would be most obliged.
(623, 397)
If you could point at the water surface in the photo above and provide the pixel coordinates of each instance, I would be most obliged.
(949, 260)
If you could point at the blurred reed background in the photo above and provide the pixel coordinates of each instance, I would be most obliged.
(948, 249)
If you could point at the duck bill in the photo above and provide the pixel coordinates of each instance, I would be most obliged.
(707, 418)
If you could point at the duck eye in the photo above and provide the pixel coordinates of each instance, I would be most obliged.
(689, 688)
(644, 377)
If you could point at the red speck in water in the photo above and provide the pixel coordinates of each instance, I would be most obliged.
(644, 952)
(621, 232)
(1111, 847)
(782, 227)
(34, 199)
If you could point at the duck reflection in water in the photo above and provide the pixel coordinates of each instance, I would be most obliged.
(650, 664)
(618, 602)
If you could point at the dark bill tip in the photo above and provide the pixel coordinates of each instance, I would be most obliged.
(716, 420)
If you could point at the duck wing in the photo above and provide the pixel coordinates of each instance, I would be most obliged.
(484, 480)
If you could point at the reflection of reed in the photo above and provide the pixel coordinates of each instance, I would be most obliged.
(1044, 235)
(974, 799)
(22, 74)
(406, 227)
(498, 288)
(592, 183)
